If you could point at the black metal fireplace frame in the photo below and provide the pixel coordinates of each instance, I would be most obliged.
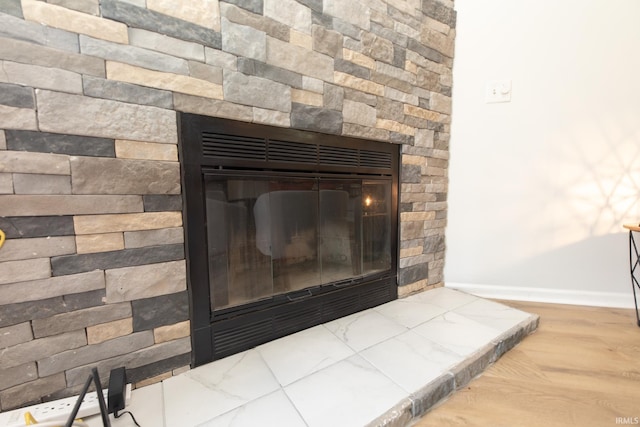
(214, 145)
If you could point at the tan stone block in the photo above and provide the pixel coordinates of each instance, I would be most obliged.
(411, 67)
(301, 39)
(17, 118)
(299, 59)
(438, 41)
(154, 380)
(172, 332)
(412, 288)
(93, 243)
(212, 107)
(37, 349)
(34, 163)
(353, 82)
(306, 97)
(394, 126)
(410, 252)
(164, 236)
(97, 224)
(408, 159)
(35, 290)
(110, 330)
(3, 141)
(441, 103)
(6, 183)
(417, 216)
(145, 281)
(28, 205)
(359, 113)
(358, 58)
(157, 79)
(73, 21)
(41, 77)
(181, 370)
(205, 13)
(146, 150)
(422, 113)
(15, 334)
(21, 271)
(41, 247)
(32, 391)
(271, 117)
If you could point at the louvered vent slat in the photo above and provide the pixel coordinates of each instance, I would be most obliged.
(240, 336)
(222, 146)
(375, 159)
(338, 156)
(283, 151)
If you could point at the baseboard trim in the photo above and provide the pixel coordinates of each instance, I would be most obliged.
(555, 296)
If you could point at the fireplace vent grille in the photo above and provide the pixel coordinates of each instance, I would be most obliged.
(233, 147)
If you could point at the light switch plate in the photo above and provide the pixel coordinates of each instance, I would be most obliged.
(498, 91)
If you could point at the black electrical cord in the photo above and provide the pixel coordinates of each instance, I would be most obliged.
(115, 414)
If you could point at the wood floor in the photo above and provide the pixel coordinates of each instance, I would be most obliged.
(581, 368)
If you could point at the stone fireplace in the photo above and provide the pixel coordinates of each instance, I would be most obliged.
(97, 269)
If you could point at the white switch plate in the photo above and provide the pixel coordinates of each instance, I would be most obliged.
(498, 91)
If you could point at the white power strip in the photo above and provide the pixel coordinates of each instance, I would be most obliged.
(57, 410)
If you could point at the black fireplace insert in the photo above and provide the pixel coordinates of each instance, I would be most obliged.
(284, 229)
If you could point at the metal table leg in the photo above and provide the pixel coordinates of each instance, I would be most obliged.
(634, 266)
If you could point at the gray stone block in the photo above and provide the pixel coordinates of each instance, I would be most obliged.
(399, 57)
(16, 28)
(401, 138)
(18, 375)
(11, 7)
(358, 96)
(299, 60)
(154, 369)
(315, 5)
(432, 393)
(387, 80)
(126, 92)
(85, 6)
(11, 314)
(346, 28)
(72, 264)
(412, 274)
(333, 97)
(145, 281)
(37, 226)
(162, 203)
(16, 96)
(29, 53)
(78, 320)
(146, 19)
(40, 348)
(40, 247)
(93, 175)
(255, 6)
(352, 129)
(133, 55)
(234, 38)
(327, 41)
(43, 142)
(165, 236)
(15, 334)
(256, 91)
(389, 109)
(260, 69)
(316, 119)
(6, 183)
(165, 44)
(425, 51)
(23, 270)
(91, 354)
(319, 18)
(150, 313)
(473, 365)
(397, 416)
(389, 34)
(65, 113)
(351, 68)
(41, 184)
(83, 300)
(411, 174)
(212, 107)
(31, 392)
(440, 12)
(34, 290)
(53, 204)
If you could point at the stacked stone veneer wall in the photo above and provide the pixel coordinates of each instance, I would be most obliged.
(93, 269)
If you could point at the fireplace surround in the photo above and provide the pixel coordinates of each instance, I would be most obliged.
(285, 229)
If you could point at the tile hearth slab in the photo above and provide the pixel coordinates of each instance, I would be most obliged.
(383, 366)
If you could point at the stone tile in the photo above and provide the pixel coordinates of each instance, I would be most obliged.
(133, 55)
(92, 243)
(40, 348)
(260, 69)
(30, 205)
(16, 96)
(64, 113)
(44, 142)
(162, 202)
(95, 224)
(25, 52)
(162, 367)
(316, 119)
(139, 239)
(146, 151)
(17, 118)
(94, 353)
(40, 226)
(23, 270)
(271, 117)
(234, 36)
(3, 140)
(300, 39)
(40, 289)
(93, 175)
(151, 313)
(255, 6)
(17, 28)
(109, 330)
(358, 59)
(355, 13)
(165, 44)
(85, 6)
(269, 26)
(72, 264)
(6, 183)
(84, 300)
(440, 103)
(205, 13)
(256, 91)
(333, 97)
(16, 334)
(365, 132)
(440, 12)
(424, 51)
(312, 85)
(172, 332)
(22, 249)
(140, 17)
(79, 320)
(290, 13)
(18, 375)
(326, 41)
(359, 113)
(377, 47)
(306, 97)
(412, 274)
(202, 71)
(34, 163)
(357, 83)
(11, 7)
(212, 107)
(15, 397)
(473, 365)
(351, 68)
(126, 92)
(162, 80)
(220, 59)
(41, 184)
(73, 21)
(145, 281)
(432, 393)
(299, 60)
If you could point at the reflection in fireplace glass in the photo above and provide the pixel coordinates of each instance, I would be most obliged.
(274, 235)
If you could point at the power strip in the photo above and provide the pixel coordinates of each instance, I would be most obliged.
(57, 410)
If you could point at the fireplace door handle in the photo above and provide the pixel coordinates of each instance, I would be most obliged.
(300, 296)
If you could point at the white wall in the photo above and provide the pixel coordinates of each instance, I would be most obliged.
(540, 186)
